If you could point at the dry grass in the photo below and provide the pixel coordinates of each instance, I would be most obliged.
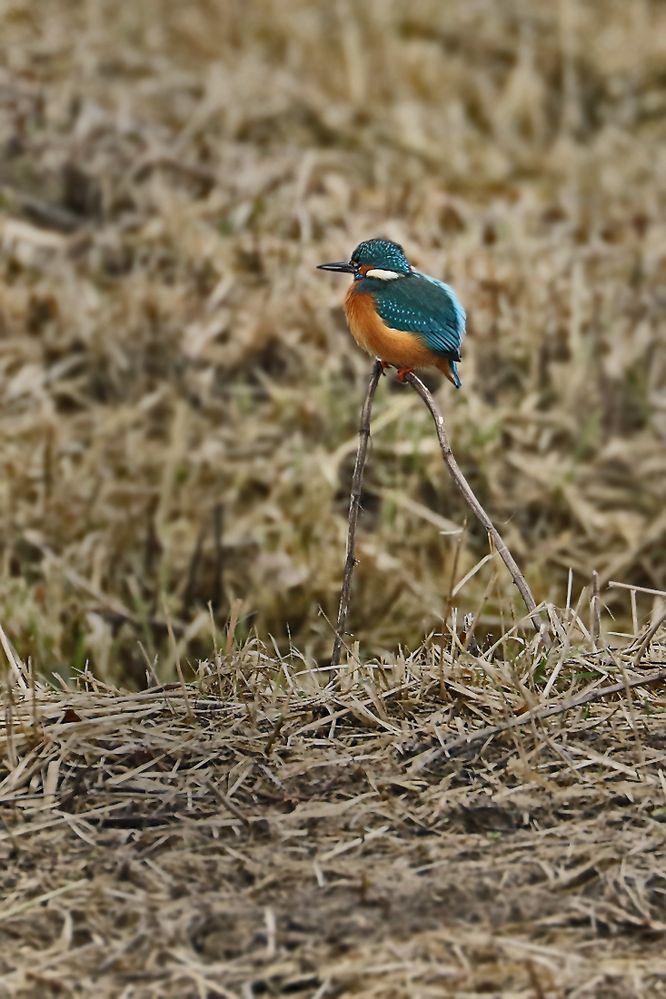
(180, 402)
(180, 397)
(257, 833)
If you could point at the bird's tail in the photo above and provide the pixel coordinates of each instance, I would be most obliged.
(450, 369)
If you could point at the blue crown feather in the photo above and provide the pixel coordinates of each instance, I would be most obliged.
(383, 254)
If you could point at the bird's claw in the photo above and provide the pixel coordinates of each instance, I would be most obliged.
(402, 372)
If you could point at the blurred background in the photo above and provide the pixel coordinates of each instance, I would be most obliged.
(180, 396)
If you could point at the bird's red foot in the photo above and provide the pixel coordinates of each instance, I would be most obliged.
(403, 372)
(384, 364)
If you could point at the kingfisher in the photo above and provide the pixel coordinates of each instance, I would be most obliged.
(403, 317)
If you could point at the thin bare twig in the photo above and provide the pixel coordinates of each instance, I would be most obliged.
(649, 635)
(424, 759)
(463, 485)
(595, 612)
(228, 803)
(354, 507)
(637, 589)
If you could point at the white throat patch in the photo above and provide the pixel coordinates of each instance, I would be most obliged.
(383, 275)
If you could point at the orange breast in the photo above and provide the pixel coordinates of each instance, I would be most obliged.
(406, 350)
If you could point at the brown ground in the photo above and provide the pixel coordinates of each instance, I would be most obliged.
(245, 838)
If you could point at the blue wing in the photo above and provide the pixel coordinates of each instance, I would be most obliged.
(420, 304)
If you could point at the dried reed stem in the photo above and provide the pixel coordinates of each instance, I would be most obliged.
(595, 612)
(354, 507)
(422, 759)
(463, 485)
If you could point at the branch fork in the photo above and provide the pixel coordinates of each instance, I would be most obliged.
(536, 619)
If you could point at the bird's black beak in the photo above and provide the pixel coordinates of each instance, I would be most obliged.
(341, 266)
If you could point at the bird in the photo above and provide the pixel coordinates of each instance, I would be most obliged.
(403, 317)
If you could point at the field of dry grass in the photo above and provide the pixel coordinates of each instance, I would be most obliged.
(177, 434)
(180, 394)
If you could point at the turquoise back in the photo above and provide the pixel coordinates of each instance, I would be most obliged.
(420, 304)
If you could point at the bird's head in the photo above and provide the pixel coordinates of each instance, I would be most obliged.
(375, 258)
